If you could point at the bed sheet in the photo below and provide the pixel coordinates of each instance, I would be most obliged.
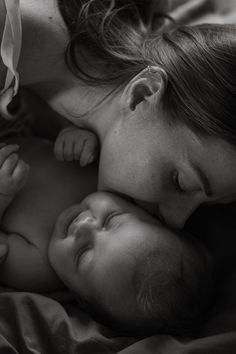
(32, 323)
(40, 324)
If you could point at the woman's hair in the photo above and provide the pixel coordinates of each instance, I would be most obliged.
(119, 40)
(110, 33)
(200, 65)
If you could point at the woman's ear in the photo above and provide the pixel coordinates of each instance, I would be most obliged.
(150, 81)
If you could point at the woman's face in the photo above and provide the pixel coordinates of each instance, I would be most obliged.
(168, 170)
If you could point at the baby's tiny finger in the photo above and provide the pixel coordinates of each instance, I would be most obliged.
(78, 150)
(88, 154)
(83, 159)
(58, 149)
(86, 159)
(7, 150)
(91, 158)
(10, 163)
(68, 151)
(21, 171)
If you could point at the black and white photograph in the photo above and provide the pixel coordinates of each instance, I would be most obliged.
(117, 176)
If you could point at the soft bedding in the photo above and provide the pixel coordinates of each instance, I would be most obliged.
(32, 323)
(53, 324)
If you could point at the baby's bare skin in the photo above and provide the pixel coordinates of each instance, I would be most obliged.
(51, 187)
(13, 174)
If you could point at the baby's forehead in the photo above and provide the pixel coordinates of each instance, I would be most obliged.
(164, 237)
(150, 235)
(168, 244)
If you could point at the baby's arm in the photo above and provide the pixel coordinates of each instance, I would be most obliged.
(13, 175)
(26, 266)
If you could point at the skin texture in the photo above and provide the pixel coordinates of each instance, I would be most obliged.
(96, 245)
(156, 164)
(50, 187)
(140, 156)
(145, 157)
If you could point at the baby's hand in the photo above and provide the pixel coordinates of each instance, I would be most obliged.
(13, 170)
(76, 144)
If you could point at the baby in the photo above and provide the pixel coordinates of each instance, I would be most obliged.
(123, 266)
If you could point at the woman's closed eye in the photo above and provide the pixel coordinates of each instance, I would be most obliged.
(177, 183)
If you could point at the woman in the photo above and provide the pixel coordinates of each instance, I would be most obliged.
(159, 99)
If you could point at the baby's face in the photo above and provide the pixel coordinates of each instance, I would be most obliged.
(95, 247)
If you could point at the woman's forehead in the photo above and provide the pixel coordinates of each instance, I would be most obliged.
(142, 165)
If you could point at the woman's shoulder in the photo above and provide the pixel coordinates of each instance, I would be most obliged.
(2, 24)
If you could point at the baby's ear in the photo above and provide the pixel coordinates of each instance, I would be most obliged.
(149, 82)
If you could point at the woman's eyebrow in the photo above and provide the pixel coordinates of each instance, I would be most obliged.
(204, 180)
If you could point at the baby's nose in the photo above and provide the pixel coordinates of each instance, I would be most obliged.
(84, 225)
